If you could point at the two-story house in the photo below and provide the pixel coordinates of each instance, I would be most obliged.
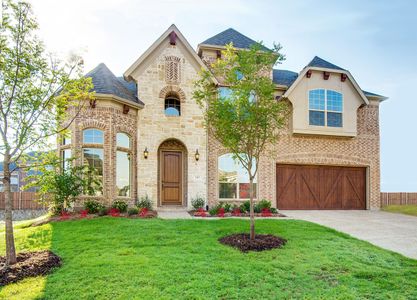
(145, 134)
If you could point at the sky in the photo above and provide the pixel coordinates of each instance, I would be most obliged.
(375, 40)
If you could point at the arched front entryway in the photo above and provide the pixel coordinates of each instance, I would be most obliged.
(172, 173)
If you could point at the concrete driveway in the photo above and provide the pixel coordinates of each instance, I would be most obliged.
(391, 231)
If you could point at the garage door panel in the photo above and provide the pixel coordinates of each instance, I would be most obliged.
(320, 187)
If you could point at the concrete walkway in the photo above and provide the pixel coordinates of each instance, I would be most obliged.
(395, 232)
(174, 214)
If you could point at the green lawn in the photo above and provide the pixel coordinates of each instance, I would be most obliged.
(132, 258)
(402, 209)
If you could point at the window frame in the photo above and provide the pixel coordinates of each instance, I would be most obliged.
(128, 152)
(176, 105)
(325, 111)
(95, 146)
(92, 143)
(238, 198)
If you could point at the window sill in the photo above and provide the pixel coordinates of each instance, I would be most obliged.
(323, 130)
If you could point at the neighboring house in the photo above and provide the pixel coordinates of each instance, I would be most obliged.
(15, 179)
(145, 134)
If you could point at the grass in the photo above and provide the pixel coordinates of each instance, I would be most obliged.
(410, 209)
(152, 259)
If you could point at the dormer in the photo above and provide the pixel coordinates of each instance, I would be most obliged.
(325, 100)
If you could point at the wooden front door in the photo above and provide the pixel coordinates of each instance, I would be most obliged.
(171, 178)
(320, 187)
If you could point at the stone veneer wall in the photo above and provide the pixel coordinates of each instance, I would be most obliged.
(155, 127)
(107, 116)
(362, 150)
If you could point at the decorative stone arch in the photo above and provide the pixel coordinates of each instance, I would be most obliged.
(92, 124)
(172, 89)
(173, 145)
(323, 159)
(125, 129)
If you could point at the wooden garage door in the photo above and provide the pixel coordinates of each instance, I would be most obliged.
(320, 187)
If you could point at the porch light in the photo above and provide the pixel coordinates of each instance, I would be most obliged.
(145, 153)
(197, 155)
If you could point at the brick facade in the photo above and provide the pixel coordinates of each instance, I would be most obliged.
(362, 150)
(109, 117)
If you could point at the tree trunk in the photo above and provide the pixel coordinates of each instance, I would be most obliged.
(251, 213)
(8, 201)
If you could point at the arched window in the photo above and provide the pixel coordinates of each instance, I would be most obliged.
(93, 156)
(172, 106)
(233, 179)
(123, 165)
(93, 136)
(325, 108)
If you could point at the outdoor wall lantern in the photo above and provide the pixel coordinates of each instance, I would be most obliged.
(197, 155)
(145, 153)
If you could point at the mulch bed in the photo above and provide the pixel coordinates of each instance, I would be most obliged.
(195, 213)
(29, 264)
(261, 242)
(76, 216)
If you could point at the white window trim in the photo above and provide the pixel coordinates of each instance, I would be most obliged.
(325, 109)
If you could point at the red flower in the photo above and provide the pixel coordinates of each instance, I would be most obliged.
(83, 213)
(64, 215)
(114, 212)
(266, 212)
(143, 212)
(220, 213)
(236, 212)
(201, 213)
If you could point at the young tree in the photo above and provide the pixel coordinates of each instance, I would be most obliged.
(31, 110)
(246, 117)
(59, 182)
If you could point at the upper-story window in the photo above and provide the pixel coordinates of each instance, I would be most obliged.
(325, 108)
(172, 106)
(93, 136)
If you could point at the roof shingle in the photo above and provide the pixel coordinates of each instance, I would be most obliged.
(232, 36)
(284, 77)
(321, 63)
(105, 82)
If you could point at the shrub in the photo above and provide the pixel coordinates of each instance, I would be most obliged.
(132, 211)
(143, 212)
(197, 202)
(102, 211)
(245, 206)
(92, 206)
(227, 207)
(213, 211)
(120, 205)
(273, 210)
(144, 202)
(256, 208)
(264, 204)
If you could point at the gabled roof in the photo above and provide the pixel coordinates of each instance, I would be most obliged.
(128, 74)
(105, 82)
(284, 77)
(321, 63)
(228, 36)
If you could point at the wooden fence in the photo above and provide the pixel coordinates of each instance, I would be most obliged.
(398, 198)
(22, 200)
